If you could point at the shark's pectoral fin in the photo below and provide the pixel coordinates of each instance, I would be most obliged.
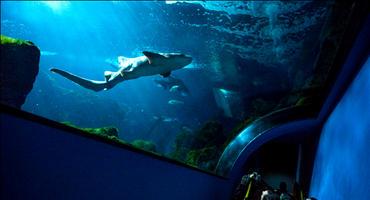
(152, 56)
(107, 75)
(125, 71)
(86, 83)
(167, 74)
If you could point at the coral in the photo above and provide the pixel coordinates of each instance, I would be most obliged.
(145, 145)
(19, 68)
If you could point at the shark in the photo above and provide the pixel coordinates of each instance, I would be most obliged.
(149, 64)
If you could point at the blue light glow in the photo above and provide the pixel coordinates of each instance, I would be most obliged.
(56, 6)
(342, 162)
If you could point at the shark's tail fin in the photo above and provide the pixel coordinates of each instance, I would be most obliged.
(86, 83)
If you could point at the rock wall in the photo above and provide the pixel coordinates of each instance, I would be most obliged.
(19, 68)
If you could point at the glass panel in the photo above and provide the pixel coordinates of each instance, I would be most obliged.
(256, 129)
(239, 61)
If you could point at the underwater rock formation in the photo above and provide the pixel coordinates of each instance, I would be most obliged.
(19, 68)
(110, 132)
(145, 145)
(202, 148)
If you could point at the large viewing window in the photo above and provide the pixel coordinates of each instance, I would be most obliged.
(249, 59)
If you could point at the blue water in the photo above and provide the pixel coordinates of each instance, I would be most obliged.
(242, 52)
(79, 37)
(342, 165)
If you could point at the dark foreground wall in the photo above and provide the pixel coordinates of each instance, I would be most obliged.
(40, 162)
(343, 159)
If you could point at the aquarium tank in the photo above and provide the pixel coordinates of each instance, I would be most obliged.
(177, 79)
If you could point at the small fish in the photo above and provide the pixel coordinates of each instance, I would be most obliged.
(175, 102)
(169, 119)
(156, 118)
(178, 89)
(48, 53)
(186, 129)
(174, 88)
(173, 85)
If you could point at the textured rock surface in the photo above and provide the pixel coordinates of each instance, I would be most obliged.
(102, 131)
(19, 68)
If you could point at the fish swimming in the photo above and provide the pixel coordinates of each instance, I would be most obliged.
(132, 68)
(173, 84)
(175, 88)
(175, 102)
(165, 119)
(48, 53)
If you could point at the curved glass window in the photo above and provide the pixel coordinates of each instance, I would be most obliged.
(256, 129)
(238, 61)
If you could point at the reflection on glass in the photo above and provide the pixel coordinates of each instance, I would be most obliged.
(256, 129)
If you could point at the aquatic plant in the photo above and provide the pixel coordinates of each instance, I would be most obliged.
(144, 145)
(13, 41)
(107, 132)
(182, 145)
(111, 133)
(205, 158)
(201, 148)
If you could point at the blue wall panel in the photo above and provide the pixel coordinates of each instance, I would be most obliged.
(40, 162)
(342, 165)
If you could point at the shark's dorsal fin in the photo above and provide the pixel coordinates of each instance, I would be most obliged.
(152, 56)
